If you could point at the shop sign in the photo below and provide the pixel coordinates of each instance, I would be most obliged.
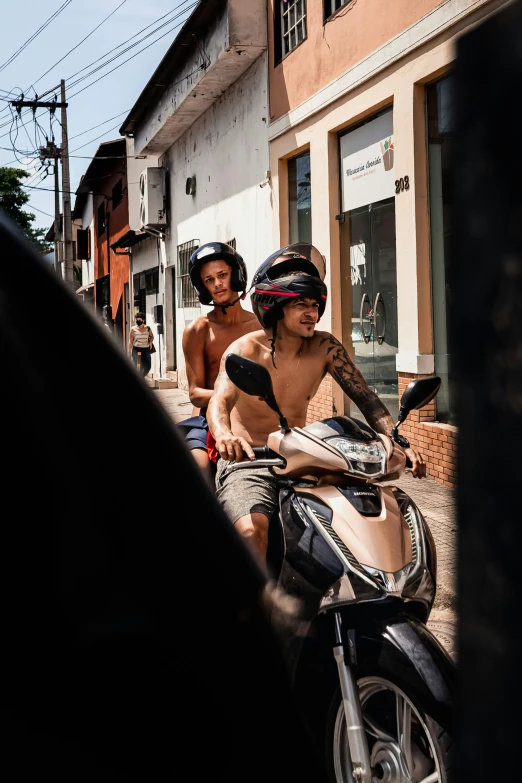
(367, 163)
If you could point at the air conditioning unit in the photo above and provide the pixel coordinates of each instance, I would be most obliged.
(152, 198)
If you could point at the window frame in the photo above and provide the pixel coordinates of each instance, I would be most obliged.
(144, 284)
(279, 35)
(291, 160)
(445, 408)
(329, 14)
(152, 281)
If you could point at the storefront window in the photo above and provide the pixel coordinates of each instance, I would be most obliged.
(440, 125)
(300, 198)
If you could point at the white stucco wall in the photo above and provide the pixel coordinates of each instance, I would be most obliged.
(88, 223)
(227, 151)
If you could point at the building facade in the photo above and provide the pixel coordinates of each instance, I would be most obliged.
(102, 206)
(360, 133)
(83, 213)
(206, 127)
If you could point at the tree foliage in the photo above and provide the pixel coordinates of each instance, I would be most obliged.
(12, 200)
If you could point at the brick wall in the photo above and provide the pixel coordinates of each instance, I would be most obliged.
(436, 442)
(321, 406)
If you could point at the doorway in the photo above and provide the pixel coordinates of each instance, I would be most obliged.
(372, 305)
(174, 331)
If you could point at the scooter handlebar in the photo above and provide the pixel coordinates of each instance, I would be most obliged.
(263, 452)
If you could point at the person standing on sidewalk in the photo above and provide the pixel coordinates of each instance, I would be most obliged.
(140, 343)
(219, 276)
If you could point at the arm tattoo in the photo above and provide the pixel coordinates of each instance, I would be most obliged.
(351, 381)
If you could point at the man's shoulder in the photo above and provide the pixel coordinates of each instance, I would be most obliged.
(198, 327)
(250, 319)
(251, 342)
(325, 340)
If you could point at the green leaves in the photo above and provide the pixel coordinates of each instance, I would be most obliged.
(12, 199)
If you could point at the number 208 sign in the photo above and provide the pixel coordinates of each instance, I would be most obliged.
(402, 184)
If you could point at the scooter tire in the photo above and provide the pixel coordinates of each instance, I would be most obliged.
(441, 742)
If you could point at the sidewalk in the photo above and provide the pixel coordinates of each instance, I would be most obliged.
(437, 504)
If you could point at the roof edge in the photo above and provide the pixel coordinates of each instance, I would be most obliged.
(147, 97)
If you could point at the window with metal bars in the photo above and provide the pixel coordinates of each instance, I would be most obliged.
(187, 296)
(292, 25)
(232, 243)
(332, 6)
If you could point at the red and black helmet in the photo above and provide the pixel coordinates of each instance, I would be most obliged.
(275, 283)
(216, 251)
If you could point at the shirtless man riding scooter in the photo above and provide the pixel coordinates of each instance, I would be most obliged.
(218, 274)
(289, 298)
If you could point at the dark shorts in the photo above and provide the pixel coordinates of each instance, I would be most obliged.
(196, 431)
(245, 491)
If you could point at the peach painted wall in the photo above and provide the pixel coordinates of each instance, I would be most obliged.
(358, 29)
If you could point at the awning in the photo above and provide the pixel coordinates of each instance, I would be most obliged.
(84, 288)
(129, 239)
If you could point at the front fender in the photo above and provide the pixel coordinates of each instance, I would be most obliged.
(404, 651)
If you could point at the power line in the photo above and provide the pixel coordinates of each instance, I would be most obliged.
(203, 65)
(82, 133)
(30, 206)
(95, 139)
(71, 84)
(121, 53)
(79, 44)
(35, 35)
(130, 39)
(126, 111)
(131, 58)
(51, 190)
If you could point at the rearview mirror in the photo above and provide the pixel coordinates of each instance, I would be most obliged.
(253, 379)
(417, 394)
(249, 376)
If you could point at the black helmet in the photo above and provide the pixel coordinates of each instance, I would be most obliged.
(216, 251)
(274, 286)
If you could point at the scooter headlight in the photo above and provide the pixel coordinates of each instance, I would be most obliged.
(365, 459)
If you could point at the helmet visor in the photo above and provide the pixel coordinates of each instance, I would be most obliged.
(288, 259)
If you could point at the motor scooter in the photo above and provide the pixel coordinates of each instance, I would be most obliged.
(361, 560)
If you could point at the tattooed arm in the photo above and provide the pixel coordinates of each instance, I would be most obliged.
(351, 381)
(230, 446)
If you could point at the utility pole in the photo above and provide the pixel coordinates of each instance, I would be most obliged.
(52, 152)
(68, 250)
(57, 248)
(63, 251)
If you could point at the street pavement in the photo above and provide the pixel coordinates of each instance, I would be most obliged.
(437, 504)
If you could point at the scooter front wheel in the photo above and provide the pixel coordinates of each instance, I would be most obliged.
(406, 745)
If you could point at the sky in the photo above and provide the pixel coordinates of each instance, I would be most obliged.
(113, 95)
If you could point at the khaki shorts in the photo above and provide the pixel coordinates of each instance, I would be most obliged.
(245, 491)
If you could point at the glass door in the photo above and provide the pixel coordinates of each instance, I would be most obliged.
(373, 271)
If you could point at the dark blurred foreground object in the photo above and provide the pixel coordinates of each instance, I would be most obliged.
(487, 333)
(134, 646)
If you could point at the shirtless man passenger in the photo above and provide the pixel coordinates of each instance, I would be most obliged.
(218, 273)
(289, 298)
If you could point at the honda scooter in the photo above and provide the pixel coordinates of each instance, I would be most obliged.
(360, 558)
